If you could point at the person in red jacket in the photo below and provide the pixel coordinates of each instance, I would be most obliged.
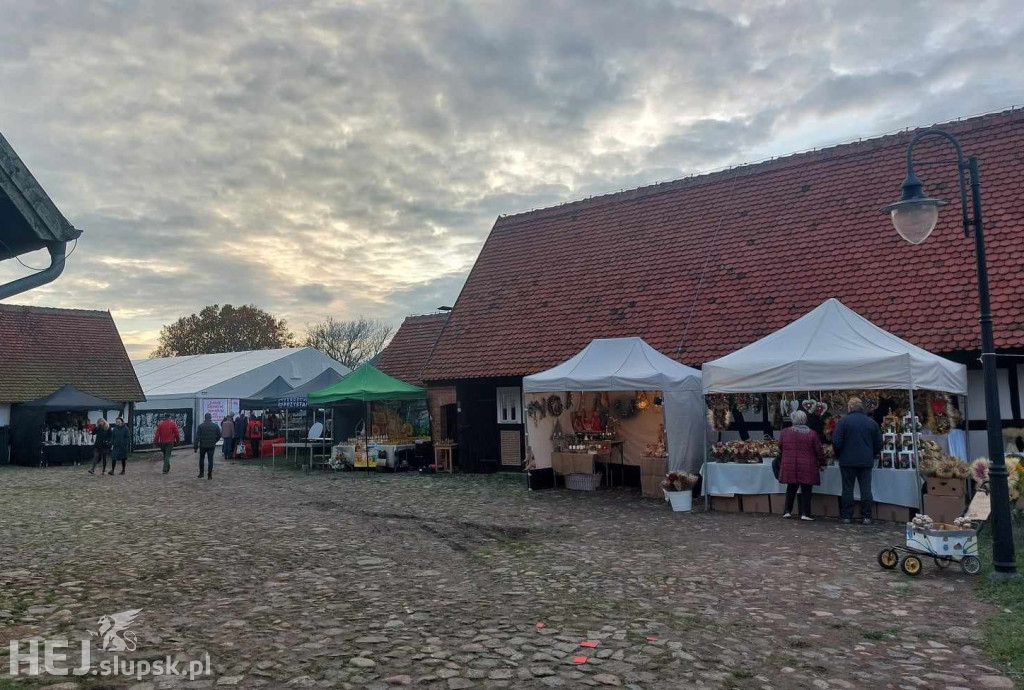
(802, 461)
(254, 432)
(166, 435)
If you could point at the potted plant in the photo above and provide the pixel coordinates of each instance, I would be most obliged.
(678, 487)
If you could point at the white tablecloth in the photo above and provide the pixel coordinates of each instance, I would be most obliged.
(899, 487)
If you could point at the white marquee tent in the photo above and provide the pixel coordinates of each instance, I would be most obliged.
(218, 381)
(630, 364)
(830, 348)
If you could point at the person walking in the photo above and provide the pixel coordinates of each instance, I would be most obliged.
(241, 424)
(101, 446)
(227, 432)
(166, 435)
(802, 461)
(857, 440)
(120, 440)
(254, 432)
(206, 443)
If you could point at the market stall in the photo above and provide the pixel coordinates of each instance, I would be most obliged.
(58, 428)
(382, 428)
(298, 420)
(815, 364)
(616, 404)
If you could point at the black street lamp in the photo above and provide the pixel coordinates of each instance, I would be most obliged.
(914, 216)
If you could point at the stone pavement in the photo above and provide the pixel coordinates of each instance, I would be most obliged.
(347, 580)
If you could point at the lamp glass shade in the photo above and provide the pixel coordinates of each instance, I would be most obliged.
(914, 221)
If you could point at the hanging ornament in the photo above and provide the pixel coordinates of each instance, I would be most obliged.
(554, 405)
(642, 401)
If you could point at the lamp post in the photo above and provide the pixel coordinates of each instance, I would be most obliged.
(914, 216)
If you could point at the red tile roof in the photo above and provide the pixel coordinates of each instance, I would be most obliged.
(43, 349)
(746, 251)
(408, 351)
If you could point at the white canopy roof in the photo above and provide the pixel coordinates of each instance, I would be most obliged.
(832, 347)
(615, 364)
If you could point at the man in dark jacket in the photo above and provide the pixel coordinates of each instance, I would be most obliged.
(857, 440)
(102, 445)
(241, 424)
(119, 450)
(207, 436)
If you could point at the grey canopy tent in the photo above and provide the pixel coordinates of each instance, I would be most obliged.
(298, 397)
(265, 397)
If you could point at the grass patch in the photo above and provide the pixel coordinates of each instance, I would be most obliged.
(1004, 632)
(879, 635)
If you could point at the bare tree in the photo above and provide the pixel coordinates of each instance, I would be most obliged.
(350, 342)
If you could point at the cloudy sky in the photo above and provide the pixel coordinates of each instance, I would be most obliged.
(319, 157)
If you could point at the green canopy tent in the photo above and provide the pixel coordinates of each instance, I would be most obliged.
(367, 383)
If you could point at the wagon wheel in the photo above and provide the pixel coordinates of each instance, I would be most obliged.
(941, 562)
(971, 565)
(888, 558)
(911, 565)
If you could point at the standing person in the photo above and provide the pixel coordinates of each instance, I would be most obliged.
(166, 435)
(253, 432)
(206, 443)
(227, 432)
(241, 424)
(120, 437)
(802, 461)
(857, 440)
(102, 446)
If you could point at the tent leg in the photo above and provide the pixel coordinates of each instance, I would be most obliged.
(707, 489)
(913, 438)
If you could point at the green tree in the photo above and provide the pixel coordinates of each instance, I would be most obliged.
(223, 329)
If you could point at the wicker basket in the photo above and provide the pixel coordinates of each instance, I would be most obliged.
(582, 482)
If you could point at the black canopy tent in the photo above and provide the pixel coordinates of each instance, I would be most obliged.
(28, 420)
(68, 397)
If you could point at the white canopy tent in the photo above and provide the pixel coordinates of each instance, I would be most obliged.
(830, 348)
(630, 364)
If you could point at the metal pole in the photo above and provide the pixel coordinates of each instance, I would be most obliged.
(1003, 557)
(913, 440)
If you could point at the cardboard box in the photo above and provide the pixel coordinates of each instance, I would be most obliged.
(892, 513)
(650, 487)
(757, 503)
(934, 486)
(653, 467)
(726, 504)
(823, 505)
(943, 508)
(777, 504)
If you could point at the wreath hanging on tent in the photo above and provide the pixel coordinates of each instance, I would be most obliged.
(555, 405)
(535, 410)
(624, 408)
(719, 411)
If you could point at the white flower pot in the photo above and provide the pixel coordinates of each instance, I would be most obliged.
(682, 501)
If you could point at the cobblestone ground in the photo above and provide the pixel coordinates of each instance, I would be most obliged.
(344, 580)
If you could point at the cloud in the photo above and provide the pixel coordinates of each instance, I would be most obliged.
(321, 158)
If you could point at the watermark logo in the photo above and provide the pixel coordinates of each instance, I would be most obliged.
(114, 633)
(114, 636)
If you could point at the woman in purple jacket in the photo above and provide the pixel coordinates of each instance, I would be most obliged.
(802, 461)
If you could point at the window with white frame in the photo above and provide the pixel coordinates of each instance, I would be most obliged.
(510, 405)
